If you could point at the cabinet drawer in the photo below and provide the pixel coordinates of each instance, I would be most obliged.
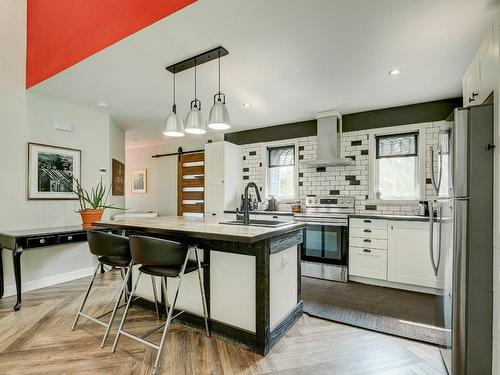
(368, 262)
(41, 241)
(368, 233)
(72, 237)
(368, 223)
(374, 243)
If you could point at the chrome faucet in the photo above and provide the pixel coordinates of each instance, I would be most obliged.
(246, 213)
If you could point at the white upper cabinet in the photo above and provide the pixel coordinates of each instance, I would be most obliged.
(223, 177)
(480, 79)
(408, 249)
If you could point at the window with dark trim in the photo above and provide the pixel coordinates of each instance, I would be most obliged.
(281, 172)
(397, 167)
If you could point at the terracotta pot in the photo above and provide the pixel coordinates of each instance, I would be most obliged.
(89, 216)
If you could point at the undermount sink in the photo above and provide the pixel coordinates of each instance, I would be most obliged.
(259, 223)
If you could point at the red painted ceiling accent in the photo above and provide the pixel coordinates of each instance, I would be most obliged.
(63, 33)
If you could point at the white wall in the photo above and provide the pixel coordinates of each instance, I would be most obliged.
(161, 194)
(27, 117)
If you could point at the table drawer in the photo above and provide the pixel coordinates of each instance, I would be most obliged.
(72, 237)
(368, 223)
(40, 241)
(367, 262)
(374, 243)
(368, 233)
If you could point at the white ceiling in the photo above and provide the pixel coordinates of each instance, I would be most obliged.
(288, 58)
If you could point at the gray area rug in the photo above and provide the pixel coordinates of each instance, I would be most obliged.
(392, 311)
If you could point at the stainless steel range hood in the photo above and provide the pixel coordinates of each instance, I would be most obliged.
(328, 141)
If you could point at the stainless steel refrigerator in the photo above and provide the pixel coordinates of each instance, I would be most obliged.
(462, 253)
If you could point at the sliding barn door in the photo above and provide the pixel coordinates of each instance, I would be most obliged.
(190, 184)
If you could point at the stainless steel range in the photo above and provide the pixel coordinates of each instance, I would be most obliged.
(324, 250)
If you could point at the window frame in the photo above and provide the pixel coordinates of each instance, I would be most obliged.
(373, 167)
(265, 166)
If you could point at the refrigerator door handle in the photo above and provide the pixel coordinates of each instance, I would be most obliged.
(431, 237)
(436, 184)
(440, 216)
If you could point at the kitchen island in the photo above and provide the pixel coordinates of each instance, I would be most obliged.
(251, 277)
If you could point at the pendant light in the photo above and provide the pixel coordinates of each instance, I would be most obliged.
(219, 115)
(194, 121)
(174, 126)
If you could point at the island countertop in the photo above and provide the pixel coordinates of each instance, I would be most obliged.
(205, 228)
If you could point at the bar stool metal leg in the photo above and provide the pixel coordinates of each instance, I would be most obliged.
(202, 290)
(156, 297)
(170, 313)
(126, 312)
(117, 303)
(86, 295)
(164, 288)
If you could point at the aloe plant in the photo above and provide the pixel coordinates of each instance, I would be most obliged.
(96, 199)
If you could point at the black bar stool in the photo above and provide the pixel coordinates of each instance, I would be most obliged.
(114, 251)
(164, 259)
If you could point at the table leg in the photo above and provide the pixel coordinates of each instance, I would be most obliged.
(16, 258)
(1, 273)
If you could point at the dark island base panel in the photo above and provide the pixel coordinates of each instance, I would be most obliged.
(237, 336)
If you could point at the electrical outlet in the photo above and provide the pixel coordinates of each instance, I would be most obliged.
(102, 171)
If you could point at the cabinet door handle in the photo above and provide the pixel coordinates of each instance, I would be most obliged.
(367, 231)
(474, 94)
(366, 240)
(42, 241)
(214, 214)
(367, 251)
(70, 238)
(275, 217)
(367, 221)
(471, 100)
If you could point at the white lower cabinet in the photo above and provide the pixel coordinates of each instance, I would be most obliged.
(394, 251)
(409, 261)
(368, 262)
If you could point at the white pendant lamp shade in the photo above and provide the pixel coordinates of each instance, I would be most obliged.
(219, 115)
(195, 124)
(174, 126)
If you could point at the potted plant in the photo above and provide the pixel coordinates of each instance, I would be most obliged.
(93, 203)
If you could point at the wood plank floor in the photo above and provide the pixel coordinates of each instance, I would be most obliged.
(38, 340)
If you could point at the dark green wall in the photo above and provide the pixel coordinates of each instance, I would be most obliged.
(408, 114)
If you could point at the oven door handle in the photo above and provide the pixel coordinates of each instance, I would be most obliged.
(323, 223)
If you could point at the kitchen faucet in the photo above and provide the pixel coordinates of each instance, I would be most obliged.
(246, 213)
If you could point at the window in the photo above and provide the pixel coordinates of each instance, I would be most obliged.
(281, 172)
(397, 167)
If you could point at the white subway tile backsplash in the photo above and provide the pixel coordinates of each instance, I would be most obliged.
(334, 178)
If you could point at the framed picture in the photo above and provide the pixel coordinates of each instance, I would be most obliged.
(139, 181)
(51, 170)
(118, 178)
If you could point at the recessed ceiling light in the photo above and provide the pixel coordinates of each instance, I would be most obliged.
(246, 105)
(103, 105)
(394, 72)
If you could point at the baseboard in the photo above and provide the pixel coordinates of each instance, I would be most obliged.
(390, 284)
(10, 290)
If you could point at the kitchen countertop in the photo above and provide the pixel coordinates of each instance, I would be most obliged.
(260, 212)
(204, 228)
(391, 217)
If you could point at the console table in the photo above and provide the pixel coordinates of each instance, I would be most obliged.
(20, 241)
